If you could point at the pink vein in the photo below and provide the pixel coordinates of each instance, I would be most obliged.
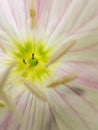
(59, 20)
(76, 112)
(83, 98)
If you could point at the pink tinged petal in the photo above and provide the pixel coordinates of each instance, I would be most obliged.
(79, 62)
(71, 22)
(86, 74)
(48, 15)
(26, 112)
(36, 115)
(45, 123)
(61, 123)
(8, 22)
(10, 105)
(89, 29)
(38, 118)
(53, 122)
(59, 19)
(88, 82)
(58, 112)
(67, 22)
(55, 13)
(90, 26)
(85, 108)
(85, 48)
(85, 39)
(82, 96)
(22, 106)
(42, 15)
(12, 10)
(87, 79)
(31, 112)
(65, 119)
(19, 15)
(26, 13)
(5, 121)
(87, 15)
(87, 126)
(39, 9)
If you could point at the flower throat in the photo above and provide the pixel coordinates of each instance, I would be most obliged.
(30, 58)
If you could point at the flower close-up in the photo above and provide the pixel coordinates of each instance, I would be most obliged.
(49, 65)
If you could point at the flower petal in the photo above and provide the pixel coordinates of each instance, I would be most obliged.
(69, 110)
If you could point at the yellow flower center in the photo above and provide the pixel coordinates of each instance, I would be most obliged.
(30, 58)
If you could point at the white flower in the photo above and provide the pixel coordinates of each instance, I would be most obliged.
(48, 56)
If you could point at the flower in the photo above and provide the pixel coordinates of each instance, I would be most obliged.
(48, 57)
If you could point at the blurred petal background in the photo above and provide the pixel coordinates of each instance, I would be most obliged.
(69, 106)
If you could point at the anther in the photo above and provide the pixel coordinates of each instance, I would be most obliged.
(24, 61)
(36, 61)
(62, 51)
(33, 56)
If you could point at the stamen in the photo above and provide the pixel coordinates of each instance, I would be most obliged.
(64, 79)
(32, 10)
(61, 52)
(33, 17)
(35, 90)
(33, 56)
(2, 104)
(5, 76)
(5, 97)
(10, 105)
(24, 61)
